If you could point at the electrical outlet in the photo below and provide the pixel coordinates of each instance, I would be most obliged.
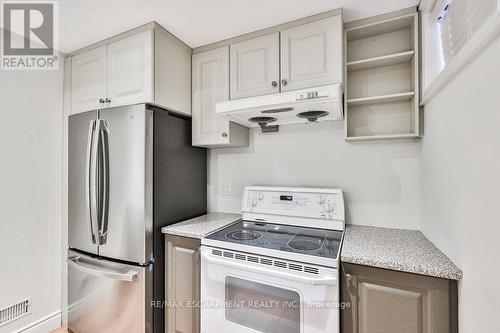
(227, 189)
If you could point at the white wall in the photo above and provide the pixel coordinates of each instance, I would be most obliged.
(30, 193)
(460, 175)
(380, 180)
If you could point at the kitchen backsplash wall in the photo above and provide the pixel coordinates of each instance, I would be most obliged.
(380, 180)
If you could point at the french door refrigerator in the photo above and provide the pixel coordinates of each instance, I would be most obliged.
(131, 171)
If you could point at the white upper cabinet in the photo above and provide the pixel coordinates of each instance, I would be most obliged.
(130, 70)
(255, 66)
(303, 56)
(147, 65)
(88, 80)
(211, 85)
(311, 54)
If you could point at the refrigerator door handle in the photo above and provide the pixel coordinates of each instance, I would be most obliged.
(94, 188)
(103, 177)
(90, 180)
(87, 267)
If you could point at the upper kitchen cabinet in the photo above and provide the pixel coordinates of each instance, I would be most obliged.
(130, 69)
(88, 80)
(311, 54)
(143, 65)
(255, 68)
(301, 54)
(211, 85)
(382, 66)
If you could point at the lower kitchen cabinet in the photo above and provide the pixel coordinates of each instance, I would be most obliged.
(385, 301)
(182, 284)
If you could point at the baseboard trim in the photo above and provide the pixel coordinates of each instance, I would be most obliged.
(43, 325)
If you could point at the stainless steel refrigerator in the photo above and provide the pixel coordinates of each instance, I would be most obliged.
(131, 171)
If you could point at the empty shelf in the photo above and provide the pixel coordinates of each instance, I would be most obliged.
(381, 137)
(381, 99)
(391, 59)
(381, 27)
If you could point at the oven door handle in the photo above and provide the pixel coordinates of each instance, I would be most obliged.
(313, 281)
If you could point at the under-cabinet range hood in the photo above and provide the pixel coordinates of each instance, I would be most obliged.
(307, 105)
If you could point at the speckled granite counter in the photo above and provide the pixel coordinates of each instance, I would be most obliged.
(396, 249)
(201, 226)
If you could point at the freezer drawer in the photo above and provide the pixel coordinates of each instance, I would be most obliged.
(108, 297)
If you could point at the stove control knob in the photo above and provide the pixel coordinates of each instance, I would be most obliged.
(320, 199)
(261, 195)
(253, 202)
(328, 207)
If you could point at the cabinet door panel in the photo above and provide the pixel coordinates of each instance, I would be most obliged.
(130, 70)
(385, 301)
(311, 54)
(183, 284)
(254, 66)
(210, 85)
(385, 309)
(88, 80)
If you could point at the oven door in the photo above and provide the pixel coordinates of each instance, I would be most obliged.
(246, 293)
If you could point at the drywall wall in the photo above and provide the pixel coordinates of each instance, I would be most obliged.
(460, 184)
(380, 180)
(30, 195)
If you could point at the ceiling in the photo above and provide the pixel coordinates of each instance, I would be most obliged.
(198, 22)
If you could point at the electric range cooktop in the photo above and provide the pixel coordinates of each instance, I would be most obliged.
(300, 240)
(299, 224)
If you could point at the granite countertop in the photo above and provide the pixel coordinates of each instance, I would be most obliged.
(201, 226)
(396, 249)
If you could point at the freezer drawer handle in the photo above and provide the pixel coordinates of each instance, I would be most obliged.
(319, 281)
(86, 267)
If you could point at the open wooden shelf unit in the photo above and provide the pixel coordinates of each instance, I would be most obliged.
(382, 86)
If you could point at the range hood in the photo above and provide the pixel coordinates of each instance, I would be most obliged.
(307, 105)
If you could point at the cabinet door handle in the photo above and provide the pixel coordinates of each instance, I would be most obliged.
(107, 100)
(284, 82)
(274, 84)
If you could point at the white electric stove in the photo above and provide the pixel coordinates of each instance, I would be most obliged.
(276, 270)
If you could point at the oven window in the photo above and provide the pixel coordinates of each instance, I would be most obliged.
(262, 307)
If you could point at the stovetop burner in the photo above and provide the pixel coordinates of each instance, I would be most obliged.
(313, 240)
(243, 235)
(304, 245)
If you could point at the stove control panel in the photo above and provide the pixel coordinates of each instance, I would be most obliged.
(312, 203)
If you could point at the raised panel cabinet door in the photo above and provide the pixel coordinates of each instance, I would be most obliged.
(182, 284)
(255, 66)
(88, 80)
(311, 54)
(210, 85)
(390, 309)
(130, 70)
(386, 301)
